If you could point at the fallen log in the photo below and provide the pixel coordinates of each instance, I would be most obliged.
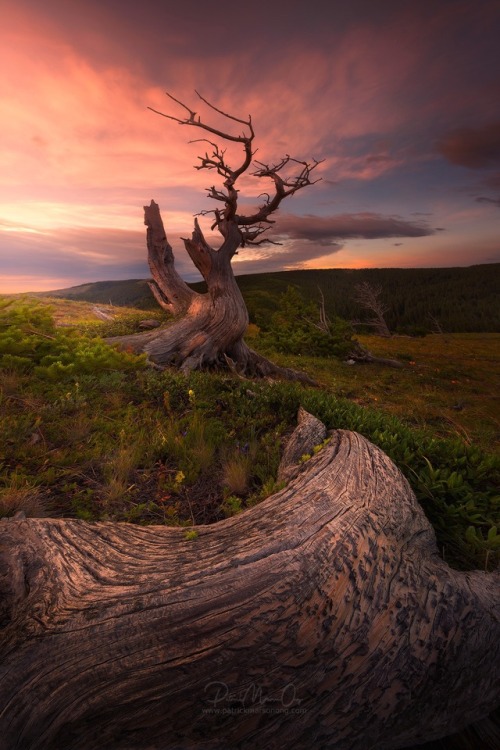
(321, 618)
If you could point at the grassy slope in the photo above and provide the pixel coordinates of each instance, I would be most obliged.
(128, 293)
(150, 447)
(450, 384)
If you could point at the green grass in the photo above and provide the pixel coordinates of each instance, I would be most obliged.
(450, 384)
(108, 438)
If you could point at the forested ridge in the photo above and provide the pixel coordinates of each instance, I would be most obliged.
(459, 299)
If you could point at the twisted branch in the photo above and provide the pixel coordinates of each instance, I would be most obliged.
(251, 227)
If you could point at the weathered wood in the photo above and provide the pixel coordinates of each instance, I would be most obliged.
(309, 433)
(321, 618)
(363, 357)
(169, 289)
(212, 325)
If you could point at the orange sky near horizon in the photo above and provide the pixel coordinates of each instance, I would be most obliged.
(399, 101)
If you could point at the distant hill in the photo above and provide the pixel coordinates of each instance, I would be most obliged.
(461, 299)
(130, 293)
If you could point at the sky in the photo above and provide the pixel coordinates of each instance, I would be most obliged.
(400, 99)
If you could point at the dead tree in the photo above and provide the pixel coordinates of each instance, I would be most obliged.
(324, 320)
(437, 327)
(368, 296)
(321, 618)
(210, 327)
(358, 353)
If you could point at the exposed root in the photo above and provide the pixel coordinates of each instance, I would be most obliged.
(249, 363)
(331, 588)
(191, 349)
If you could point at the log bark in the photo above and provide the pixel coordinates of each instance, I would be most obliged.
(321, 618)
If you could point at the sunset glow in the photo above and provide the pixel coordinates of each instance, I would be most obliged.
(399, 99)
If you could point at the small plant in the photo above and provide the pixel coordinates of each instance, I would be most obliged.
(20, 496)
(236, 474)
(190, 535)
(179, 479)
(231, 506)
(270, 487)
(30, 342)
(318, 448)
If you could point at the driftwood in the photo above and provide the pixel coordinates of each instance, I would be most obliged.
(321, 618)
(102, 314)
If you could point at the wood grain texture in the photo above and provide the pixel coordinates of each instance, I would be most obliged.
(208, 328)
(321, 618)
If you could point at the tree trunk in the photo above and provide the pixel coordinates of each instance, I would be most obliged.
(321, 618)
(209, 327)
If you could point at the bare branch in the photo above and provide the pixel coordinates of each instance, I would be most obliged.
(248, 122)
(204, 126)
(217, 195)
(436, 325)
(251, 235)
(285, 184)
(192, 114)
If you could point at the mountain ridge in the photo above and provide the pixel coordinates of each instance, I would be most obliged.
(460, 299)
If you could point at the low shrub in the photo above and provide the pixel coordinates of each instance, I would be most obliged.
(296, 329)
(31, 343)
